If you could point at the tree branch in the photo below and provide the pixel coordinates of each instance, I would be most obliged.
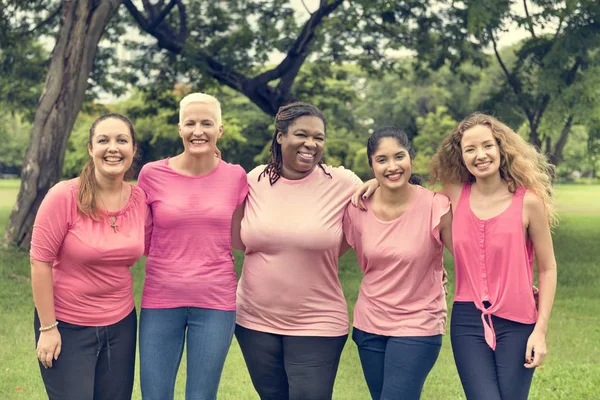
(306, 8)
(529, 21)
(136, 14)
(176, 44)
(556, 155)
(161, 17)
(288, 68)
(512, 81)
(42, 23)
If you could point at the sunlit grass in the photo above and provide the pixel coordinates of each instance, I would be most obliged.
(572, 369)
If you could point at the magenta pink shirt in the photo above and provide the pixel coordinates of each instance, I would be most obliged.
(494, 263)
(293, 233)
(401, 293)
(90, 261)
(189, 251)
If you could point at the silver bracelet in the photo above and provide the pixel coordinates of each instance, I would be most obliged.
(47, 328)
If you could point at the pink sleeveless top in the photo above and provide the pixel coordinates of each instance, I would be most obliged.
(494, 263)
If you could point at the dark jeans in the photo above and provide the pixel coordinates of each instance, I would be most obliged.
(162, 335)
(396, 367)
(95, 363)
(487, 374)
(291, 367)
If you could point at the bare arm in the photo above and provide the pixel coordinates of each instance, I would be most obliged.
(539, 232)
(446, 230)
(236, 223)
(451, 191)
(49, 344)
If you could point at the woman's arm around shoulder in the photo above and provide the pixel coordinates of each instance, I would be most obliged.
(238, 214)
(452, 191)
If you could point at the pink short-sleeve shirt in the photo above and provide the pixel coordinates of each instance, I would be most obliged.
(401, 293)
(189, 247)
(90, 261)
(293, 231)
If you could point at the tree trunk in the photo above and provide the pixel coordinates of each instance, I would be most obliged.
(82, 26)
(556, 155)
(534, 135)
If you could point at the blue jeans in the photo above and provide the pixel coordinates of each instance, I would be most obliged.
(396, 367)
(162, 336)
(486, 374)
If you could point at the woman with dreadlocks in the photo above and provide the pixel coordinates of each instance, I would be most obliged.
(292, 318)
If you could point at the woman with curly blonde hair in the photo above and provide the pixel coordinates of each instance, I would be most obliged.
(500, 189)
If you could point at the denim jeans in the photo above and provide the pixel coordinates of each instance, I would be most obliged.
(484, 373)
(162, 336)
(396, 367)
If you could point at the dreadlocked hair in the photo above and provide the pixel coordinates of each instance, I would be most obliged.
(286, 116)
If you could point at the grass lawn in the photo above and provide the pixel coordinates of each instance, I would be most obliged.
(571, 370)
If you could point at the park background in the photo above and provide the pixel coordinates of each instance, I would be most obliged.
(420, 65)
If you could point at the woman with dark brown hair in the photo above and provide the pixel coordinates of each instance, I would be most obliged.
(88, 232)
(292, 318)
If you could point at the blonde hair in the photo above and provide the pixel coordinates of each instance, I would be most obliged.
(200, 98)
(520, 163)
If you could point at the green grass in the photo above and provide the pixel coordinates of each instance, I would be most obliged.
(571, 370)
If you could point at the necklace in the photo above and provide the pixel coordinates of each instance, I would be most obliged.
(113, 218)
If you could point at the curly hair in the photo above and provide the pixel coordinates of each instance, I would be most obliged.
(520, 163)
(285, 117)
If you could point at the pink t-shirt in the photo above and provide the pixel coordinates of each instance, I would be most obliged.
(90, 261)
(293, 233)
(189, 250)
(494, 263)
(401, 293)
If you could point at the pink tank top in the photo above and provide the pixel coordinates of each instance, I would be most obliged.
(494, 263)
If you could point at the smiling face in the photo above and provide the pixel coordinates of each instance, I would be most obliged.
(112, 148)
(480, 152)
(391, 164)
(200, 128)
(302, 146)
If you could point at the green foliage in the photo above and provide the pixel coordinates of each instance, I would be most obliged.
(14, 136)
(432, 129)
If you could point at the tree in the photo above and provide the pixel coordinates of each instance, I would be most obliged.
(82, 25)
(548, 73)
(217, 38)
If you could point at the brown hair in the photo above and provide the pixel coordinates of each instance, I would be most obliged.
(86, 193)
(520, 163)
(285, 117)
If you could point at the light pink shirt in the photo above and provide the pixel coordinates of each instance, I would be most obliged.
(494, 263)
(189, 250)
(293, 233)
(90, 261)
(401, 293)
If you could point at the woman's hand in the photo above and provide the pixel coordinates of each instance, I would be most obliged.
(364, 191)
(49, 346)
(536, 349)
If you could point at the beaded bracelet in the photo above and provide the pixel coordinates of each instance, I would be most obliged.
(47, 328)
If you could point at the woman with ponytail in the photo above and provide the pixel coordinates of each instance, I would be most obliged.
(87, 233)
(292, 320)
(400, 313)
